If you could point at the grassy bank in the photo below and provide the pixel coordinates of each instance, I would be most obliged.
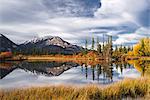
(127, 88)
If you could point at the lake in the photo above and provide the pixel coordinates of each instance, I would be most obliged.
(41, 73)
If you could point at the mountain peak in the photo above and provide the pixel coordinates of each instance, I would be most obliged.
(49, 40)
(1, 35)
(6, 44)
(51, 45)
(58, 41)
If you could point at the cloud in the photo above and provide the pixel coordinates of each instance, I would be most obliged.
(70, 28)
(133, 37)
(75, 20)
(134, 13)
(26, 11)
(22, 11)
(71, 8)
(132, 10)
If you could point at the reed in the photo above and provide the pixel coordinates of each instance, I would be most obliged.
(128, 88)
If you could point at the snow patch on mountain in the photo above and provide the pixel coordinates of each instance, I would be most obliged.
(50, 41)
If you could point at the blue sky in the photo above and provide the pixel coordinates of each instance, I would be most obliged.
(75, 20)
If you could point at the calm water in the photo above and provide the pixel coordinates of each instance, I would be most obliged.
(24, 74)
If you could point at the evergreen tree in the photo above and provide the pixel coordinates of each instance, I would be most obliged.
(111, 45)
(93, 43)
(124, 49)
(103, 44)
(99, 50)
(120, 49)
(97, 41)
(85, 50)
(129, 49)
(108, 40)
(116, 48)
(132, 48)
(86, 44)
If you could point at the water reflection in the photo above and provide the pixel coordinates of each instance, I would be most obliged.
(142, 66)
(105, 71)
(73, 72)
(6, 68)
(45, 68)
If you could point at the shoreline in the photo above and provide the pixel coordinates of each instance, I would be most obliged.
(71, 58)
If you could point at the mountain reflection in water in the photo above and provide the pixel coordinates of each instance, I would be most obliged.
(45, 68)
(65, 72)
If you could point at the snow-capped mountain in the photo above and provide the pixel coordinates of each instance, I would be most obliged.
(46, 45)
(51, 45)
(49, 41)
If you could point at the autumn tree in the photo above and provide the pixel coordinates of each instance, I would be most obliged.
(142, 48)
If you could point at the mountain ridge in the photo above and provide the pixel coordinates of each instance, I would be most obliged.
(6, 44)
(45, 45)
(49, 41)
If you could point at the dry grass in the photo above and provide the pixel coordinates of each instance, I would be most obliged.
(127, 88)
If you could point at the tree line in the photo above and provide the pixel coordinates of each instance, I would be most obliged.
(106, 48)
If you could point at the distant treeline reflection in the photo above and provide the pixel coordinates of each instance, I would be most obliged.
(104, 71)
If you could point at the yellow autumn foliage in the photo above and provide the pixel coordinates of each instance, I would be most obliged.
(130, 53)
(142, 48)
